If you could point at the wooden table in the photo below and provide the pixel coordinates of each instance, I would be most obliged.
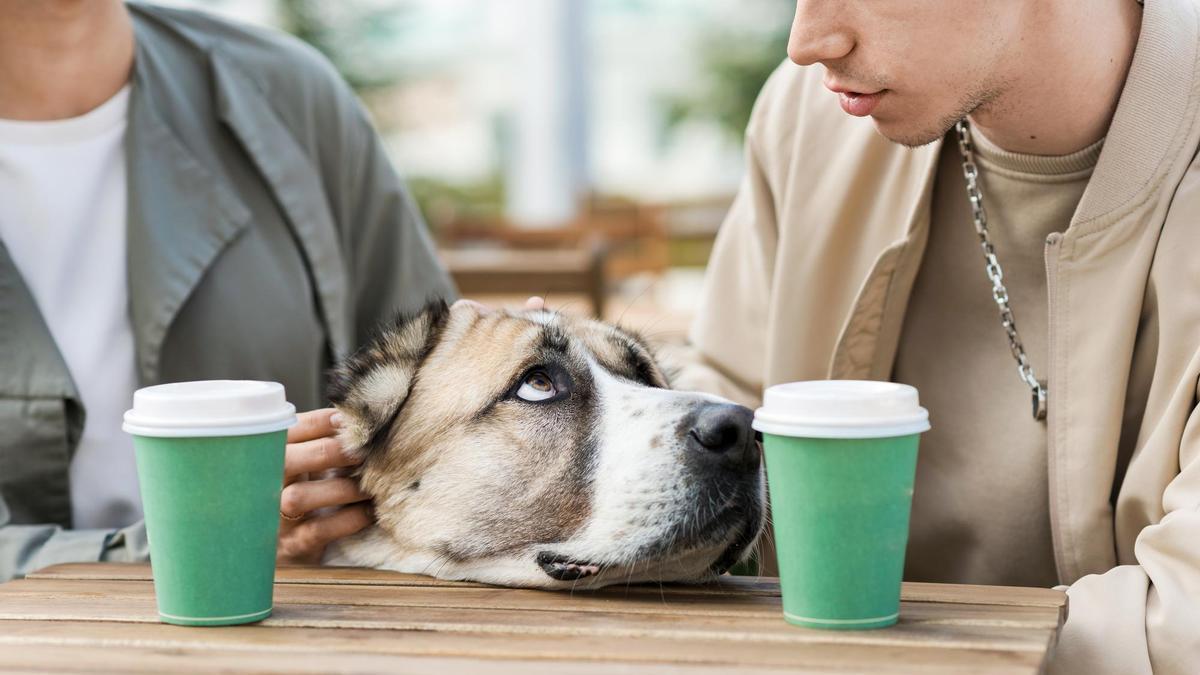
(101, 617)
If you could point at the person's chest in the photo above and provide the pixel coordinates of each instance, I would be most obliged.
(980, 509)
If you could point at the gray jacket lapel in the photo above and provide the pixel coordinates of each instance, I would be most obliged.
(41, 414)
(286, 167)
(181, 215)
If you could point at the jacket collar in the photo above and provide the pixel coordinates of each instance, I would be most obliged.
(1156, 106)
(181, 213)
(242, 105)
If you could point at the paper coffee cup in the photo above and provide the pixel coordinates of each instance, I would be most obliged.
(841, 457)
(210, 467)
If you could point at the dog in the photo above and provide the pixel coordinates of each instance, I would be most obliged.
(529, 448)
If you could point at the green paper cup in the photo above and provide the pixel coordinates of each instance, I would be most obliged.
(210, 466)
(841, 456)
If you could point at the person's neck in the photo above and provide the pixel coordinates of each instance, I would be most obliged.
(62, 58)
(1066, 91)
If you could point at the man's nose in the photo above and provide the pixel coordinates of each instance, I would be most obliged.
(817, 34)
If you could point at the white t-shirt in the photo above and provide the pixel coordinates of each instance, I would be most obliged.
(62, 217)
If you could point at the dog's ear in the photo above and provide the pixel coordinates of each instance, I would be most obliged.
(370, 386)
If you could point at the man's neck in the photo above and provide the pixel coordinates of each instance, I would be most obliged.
(1063, 97)
(62, 58)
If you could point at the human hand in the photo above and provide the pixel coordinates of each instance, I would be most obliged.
(533, 302)
(312, 449)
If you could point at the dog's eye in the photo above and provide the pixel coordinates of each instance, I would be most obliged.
(537, 387)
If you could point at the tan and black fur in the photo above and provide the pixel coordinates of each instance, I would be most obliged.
(607, 476)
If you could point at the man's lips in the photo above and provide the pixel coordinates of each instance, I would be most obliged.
(857, 103)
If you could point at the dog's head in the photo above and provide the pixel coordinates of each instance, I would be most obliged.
(534, 449)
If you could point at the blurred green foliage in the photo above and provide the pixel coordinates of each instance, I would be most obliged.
(448, 202)
(736, 64)
(361, 39)
(357, 36)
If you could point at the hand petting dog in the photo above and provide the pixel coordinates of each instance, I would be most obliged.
(313, 450)
(539, 449)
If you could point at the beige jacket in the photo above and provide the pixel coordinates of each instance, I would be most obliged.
(812, 272)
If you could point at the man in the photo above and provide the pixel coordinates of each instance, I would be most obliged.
(848, 255)
(180, 199)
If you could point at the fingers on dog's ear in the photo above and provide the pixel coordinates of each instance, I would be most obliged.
(473, 305)
(312, 424)
(369, 387)
(341, 523)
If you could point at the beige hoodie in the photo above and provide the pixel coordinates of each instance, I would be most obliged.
(815, 262)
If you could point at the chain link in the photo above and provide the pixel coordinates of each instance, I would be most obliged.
(994, 273)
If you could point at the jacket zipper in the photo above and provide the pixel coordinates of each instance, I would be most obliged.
(1053, 246)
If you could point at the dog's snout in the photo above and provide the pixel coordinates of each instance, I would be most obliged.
(722, 430)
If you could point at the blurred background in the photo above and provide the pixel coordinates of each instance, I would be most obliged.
(585, 150)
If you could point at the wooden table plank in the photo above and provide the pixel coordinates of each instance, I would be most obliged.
(89, 659)
(924, 625)
(662, 628)
(383, 621)
(1015, 596)
(676, 604)
(272, 645)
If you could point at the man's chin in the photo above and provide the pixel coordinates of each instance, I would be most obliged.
(910, 136)
(914, 130)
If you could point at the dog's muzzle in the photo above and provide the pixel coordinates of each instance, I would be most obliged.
(563, 568)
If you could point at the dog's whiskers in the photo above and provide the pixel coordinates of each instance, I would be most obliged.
(637, 297)
(440, 558)
(442, 566)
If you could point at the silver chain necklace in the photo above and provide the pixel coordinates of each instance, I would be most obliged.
(994, 273)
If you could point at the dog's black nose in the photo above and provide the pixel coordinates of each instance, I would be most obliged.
(722, 431)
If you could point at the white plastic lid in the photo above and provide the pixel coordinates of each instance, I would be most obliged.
(841, 409)
(209, 408)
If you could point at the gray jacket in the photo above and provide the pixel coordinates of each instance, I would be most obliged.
(267, 235)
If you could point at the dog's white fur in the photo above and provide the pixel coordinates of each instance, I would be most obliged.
(641, 491)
